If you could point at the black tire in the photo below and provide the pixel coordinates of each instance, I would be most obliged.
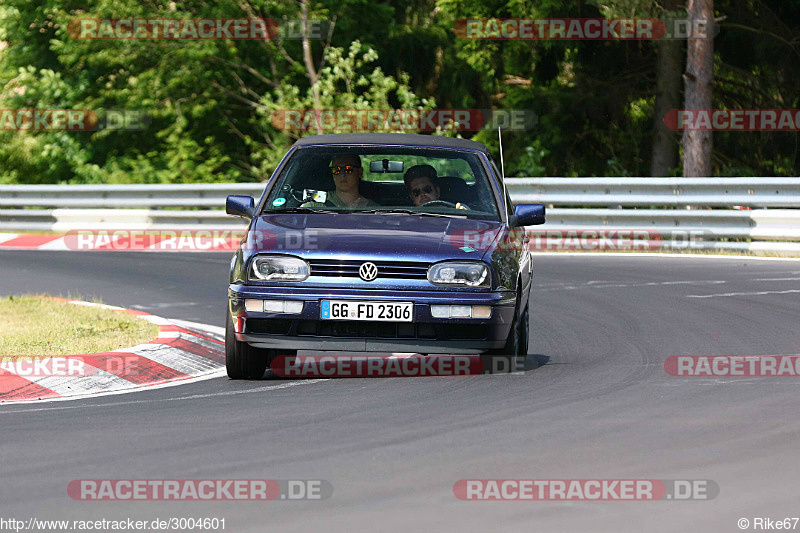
(504, 360)
(524, 333)
(242, 361)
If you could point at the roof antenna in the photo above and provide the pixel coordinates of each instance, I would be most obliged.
(502, 166)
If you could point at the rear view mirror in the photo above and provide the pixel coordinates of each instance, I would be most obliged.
(384, 165)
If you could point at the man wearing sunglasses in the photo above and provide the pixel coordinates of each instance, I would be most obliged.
(422, 184)
(347, 172)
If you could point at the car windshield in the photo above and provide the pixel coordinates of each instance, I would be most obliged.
(381, 179)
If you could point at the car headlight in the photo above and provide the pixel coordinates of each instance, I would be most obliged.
(470, 274)
(278, 268)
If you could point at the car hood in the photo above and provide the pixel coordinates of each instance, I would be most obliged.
(379, 236)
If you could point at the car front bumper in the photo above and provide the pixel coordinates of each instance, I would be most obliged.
(426, 334)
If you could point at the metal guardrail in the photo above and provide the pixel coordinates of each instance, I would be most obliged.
(116, 196)
(669, 192)
(606, 204)
(757, 224)
(629, 192)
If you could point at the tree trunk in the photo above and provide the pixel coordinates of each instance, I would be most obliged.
(669, 59)
(311, 71)
(699, 77)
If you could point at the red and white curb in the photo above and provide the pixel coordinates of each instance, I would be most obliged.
(182, 352)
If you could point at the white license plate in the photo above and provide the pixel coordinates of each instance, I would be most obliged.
(372, 311)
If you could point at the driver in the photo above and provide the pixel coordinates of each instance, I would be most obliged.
(422, 183)
(347, 172)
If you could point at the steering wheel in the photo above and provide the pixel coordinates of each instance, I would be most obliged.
(434, 203)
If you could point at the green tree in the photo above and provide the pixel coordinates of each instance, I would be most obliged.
(347, 81)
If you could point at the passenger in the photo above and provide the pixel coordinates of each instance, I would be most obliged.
(422, 183)
(347, 172)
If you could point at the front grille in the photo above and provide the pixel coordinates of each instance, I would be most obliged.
(357, 329)
(267, 325)
(386, 269)
(366, 330)
(465, 331)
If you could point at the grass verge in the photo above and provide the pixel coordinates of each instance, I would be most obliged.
(32, 326)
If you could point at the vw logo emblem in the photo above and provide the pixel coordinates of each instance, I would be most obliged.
(368, 271)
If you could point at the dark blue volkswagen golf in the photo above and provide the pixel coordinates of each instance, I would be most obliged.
(380, 243)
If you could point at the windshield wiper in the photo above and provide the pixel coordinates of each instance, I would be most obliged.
(399, 211)
(402, 211)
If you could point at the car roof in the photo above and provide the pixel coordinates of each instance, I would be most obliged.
(402, 139)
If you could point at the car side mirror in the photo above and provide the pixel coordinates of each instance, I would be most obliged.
(240, 206)
(527, 215)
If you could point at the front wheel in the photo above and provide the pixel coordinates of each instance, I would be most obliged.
(242, 361)
(504, 360)
(524, 333)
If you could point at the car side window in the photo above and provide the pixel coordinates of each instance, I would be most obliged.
(509, 204)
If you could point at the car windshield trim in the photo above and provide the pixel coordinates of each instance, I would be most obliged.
(463, 176)
(299, 209)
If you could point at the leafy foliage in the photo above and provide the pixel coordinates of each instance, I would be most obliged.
(210, 101)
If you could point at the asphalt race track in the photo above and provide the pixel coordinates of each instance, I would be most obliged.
(594, 403)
